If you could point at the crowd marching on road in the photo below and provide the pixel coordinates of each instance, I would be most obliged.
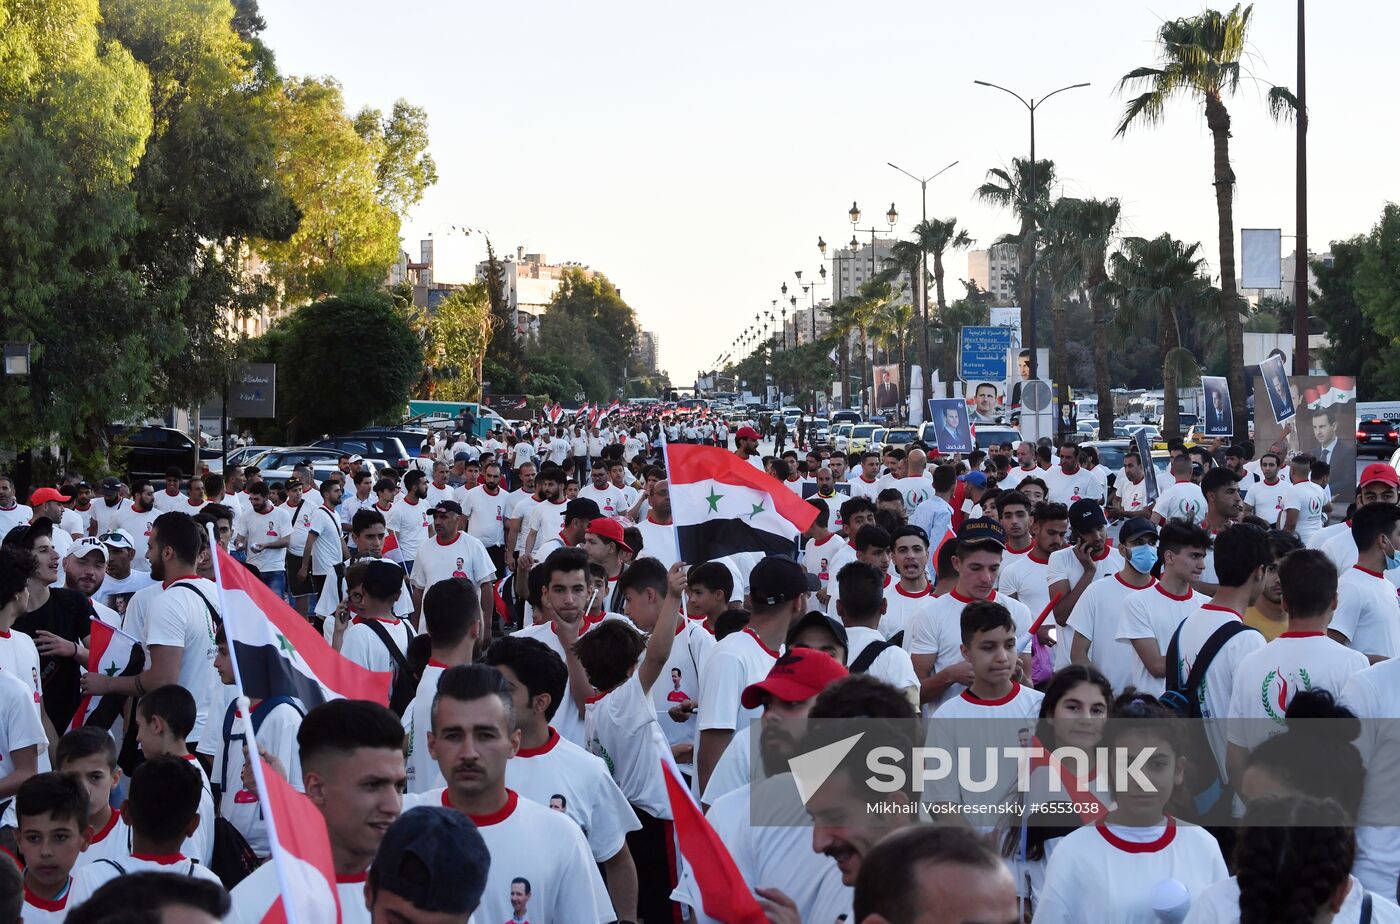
(603, 642)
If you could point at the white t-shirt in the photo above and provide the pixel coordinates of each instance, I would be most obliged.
(1066, 489)
(1266, 500)
(966, 721)
(20, 727)
(522, 453)
(609, 498)
(680, 679)
(1367, 613)
(411, 524)
(658, 541)
(1155, 615)
(362, 644)
(738, 660)
(902, 609)
(94, 876)
(825, 560)
(1096, 616)
(1322, 537)
(546, 520)
(253, 897)
(892, 665)
(1268, 679)
(122, 587)
(1220, 904)
(72, 523)
(326, 550)
(138, 523)
(1341, 548)
(1105, 874)
(591, 798)
(914, 491)
(1181, 501)
(1308, 499)
(1216, 690)
(938, 631)
(436, 495)
(1131, 495)
(423, 772)
(528, 841)
(1026, 578)
(486, 513)
(862, 488)
(464, 556)
(200, 844)
(166, 501)
(103, 514)
(1064, 566)
(622, 729)
(1374, 694)
(520, 506)
(277, 734)
(178, 618)
(262, 528)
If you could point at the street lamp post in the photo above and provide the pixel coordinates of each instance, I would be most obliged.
(1028, 337)
(923, 268)
(892, 218)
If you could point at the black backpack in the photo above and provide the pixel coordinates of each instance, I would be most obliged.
(405, 685)
(870, 652)
(232, 858)
(1205, 797)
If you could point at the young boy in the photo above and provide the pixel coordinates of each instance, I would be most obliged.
(90, 754)
(53, 830)
(989, 647)
(708, 590)
(276, 721)
(164, 720)
(452, 620)
(163, 811)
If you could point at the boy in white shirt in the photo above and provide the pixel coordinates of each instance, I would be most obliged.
(862, 605)
(1265, 496)
(52, 830)
(1303, 658)
(1367, 618)
(164, 719)
(1071, 570)
(1094, 624)
(452, 620)
(1149, 619)
(375, 638)
(1308, 502)
(162, 808)
(89, 754)
(1181, 500)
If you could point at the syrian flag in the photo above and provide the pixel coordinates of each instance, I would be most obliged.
(556, 413)
(115, 654)
(721, 504)
(278, 653)
(612, 409)
(724, 896)
(301, 851)
(390, 549)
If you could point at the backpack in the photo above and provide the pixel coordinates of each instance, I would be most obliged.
(405, 686)
(870, 652)
(232, 859)
(1204, 796)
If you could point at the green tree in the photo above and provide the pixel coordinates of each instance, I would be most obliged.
(1377, 289)
(1199, 57)
(1355, 346)
(399, 147)
(1161, 277)
(460, 329)
(589, 326)
(325, 388)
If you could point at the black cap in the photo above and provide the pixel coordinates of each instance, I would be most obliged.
(111, 483)
(1086, 514)
(448, 506)
(776, 580)
(435, 859)
(582, 508)
(818, 618)
(24, 536)
(1134, 527)
(982, 529)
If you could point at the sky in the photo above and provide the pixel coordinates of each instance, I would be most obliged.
(694, 152)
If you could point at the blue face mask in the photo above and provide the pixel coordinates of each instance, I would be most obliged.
(1392, 561)
(1144, 557)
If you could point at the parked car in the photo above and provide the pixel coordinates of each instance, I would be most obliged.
(988, 435)
(149, 451)
(277, 464)
(244, 455)
(898, 437)
(846, 416)
(841, 436)
(379, 444)
(819, 432)
(861, 437)
(1376, 435)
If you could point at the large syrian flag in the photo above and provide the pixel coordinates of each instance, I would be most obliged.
(112, 653)
(301, 850)
(721, 504)
(278, 653)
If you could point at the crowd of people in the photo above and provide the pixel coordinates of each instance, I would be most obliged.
(551, 655)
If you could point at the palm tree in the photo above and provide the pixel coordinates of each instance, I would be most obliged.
(845, 319)
(1012, 190)
(1161, 277)
(1087, 228)
(935, 236)
(1199, 56)
(1059, 258)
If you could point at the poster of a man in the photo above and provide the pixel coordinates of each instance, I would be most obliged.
(887, 388)
(1220, 419)
(1276, 387)
(519, 900)
(1324, 427)
(952, 430)
(985, 397)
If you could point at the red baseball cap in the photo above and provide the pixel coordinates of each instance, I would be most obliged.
(610, 529)
(746, 433)
(44, 495)
(796, 676)
(1376, 471)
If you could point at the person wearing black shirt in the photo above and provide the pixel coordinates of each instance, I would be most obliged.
(57, 620)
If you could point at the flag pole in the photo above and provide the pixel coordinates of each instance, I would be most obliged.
(666, 464)
(254, 753)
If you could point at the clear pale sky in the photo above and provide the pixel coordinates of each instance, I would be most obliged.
(694, 153)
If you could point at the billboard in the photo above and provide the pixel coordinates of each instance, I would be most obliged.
(1261, 260)
(982, 353)
(252, 393)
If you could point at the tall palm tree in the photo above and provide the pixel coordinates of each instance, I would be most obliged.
(1011, 190)
(1058, 257)
(844, 320)
(1161, 277)
(1088, 228)
(935, 237)
(1199, 56)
